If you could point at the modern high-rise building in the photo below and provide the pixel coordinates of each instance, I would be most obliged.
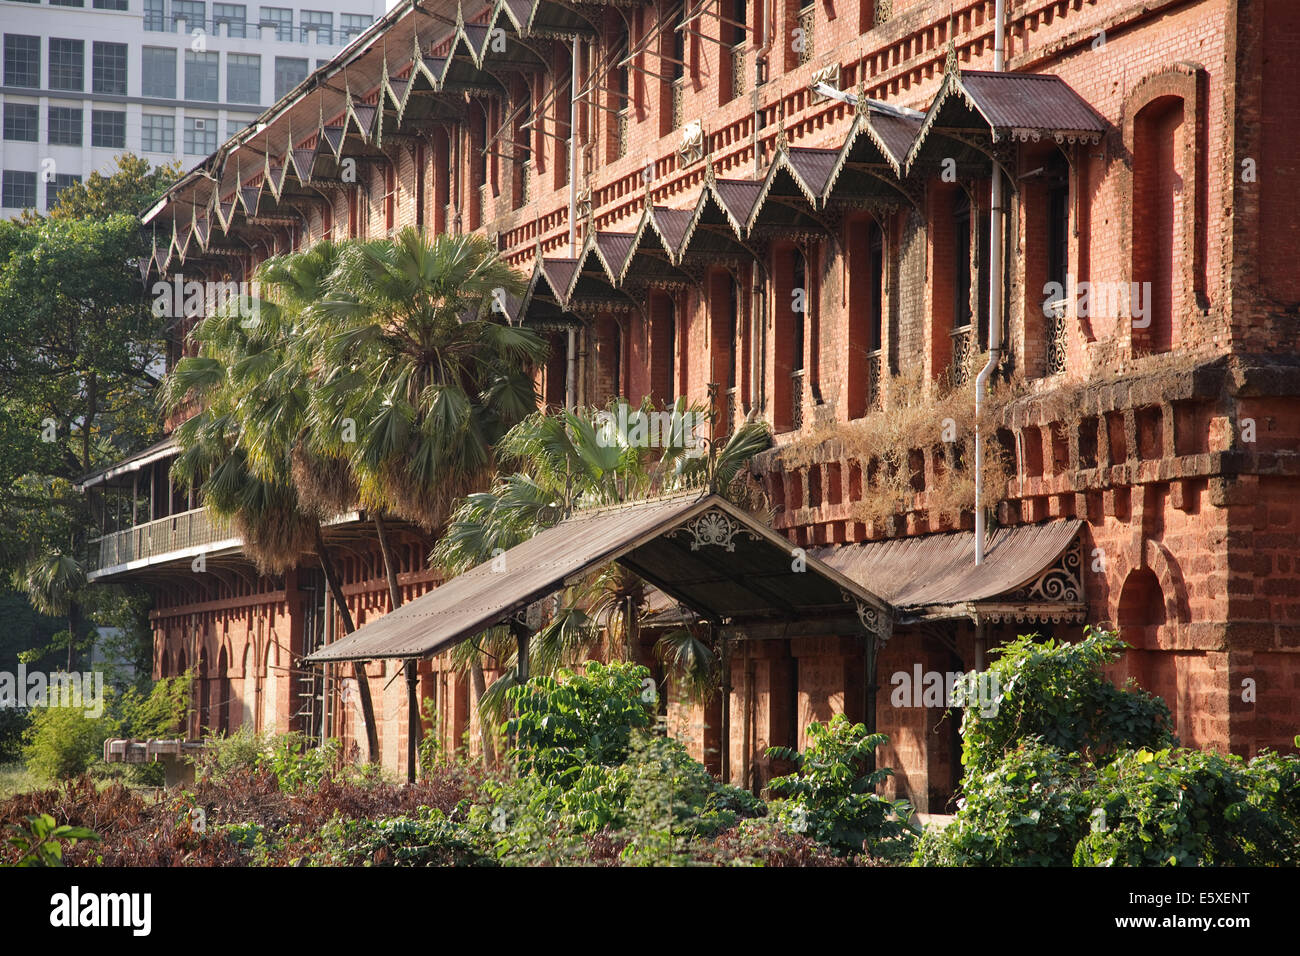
(86, 80)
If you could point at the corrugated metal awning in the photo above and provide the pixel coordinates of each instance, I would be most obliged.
(1026, 564)
(698, 548)
(1015, 106)
(156, 452)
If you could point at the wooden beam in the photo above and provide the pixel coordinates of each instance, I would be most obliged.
(759, 630)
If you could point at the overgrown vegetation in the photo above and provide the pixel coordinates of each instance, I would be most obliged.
(1070, 770)
(64, 742)
(888, 444)
(1074, 770)
(832, 793)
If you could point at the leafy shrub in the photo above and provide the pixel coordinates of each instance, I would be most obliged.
(63, 742)
(571, 721)
(1058, 694)
(429, 749)
(40, 839)
(1192, 808)
(13, 724)
(298, 762)
(295, 760)
(160, 714)
(1028, 810)
(766, 842)
(428, 837)
(831, 795)
(226, 757)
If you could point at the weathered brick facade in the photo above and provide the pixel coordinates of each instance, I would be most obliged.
(1174, 440)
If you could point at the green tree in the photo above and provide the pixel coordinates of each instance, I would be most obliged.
(80, 353)
(1059, 693)
(410, 354)
(251, 387)
(129, 189)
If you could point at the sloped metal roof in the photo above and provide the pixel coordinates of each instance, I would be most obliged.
(1005, 105)
(940, 569)
(125, 466)
(1031, 101)
(696, 547)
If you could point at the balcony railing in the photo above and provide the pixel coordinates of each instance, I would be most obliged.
(156, 539)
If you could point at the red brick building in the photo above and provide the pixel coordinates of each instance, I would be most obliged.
(701, 211)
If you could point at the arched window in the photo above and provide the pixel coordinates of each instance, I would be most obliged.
(1158, 184)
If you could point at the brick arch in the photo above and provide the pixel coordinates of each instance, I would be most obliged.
(270, 685)
(1141, 602)
(219, 702)
(1172, 582)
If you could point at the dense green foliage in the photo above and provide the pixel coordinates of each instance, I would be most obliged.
(1029, 809)
(1073, 770)
(1188, 808)
(79, 357)
(295, 761)
(832, 796)
(1059, 693)
(571, 722)
(63, 742)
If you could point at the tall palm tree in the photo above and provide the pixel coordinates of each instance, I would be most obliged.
(409, 356)
(52, 583)
(241, 448)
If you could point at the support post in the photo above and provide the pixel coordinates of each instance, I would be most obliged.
(412, 719)
(870, 657)
(724, 740)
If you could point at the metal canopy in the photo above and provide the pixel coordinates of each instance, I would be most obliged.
(130, 464)
(697, 547)
(1029, 572)
(996, 107)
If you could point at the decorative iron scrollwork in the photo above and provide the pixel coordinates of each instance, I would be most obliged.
(1058, 340)
(877, 621)
(715, 528)
(1060, 583)
(807, 23)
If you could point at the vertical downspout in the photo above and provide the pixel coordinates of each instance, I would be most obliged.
(571, 378)
(995, 301)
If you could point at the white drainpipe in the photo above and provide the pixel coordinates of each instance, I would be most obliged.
(571, 374)
(995, 301)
